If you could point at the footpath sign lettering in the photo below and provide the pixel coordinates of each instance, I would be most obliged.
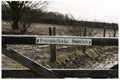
(63, 40)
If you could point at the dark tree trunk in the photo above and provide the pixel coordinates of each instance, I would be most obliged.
(15, 25)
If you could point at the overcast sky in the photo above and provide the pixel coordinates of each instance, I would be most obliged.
(90, 10)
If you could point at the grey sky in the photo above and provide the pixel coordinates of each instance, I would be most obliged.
(90, 10)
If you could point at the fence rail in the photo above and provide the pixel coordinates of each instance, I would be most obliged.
(112, 73)
(20, 39)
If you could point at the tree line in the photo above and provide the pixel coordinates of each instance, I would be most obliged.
(32, 15)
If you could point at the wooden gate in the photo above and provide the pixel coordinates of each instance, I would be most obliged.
(39, 71)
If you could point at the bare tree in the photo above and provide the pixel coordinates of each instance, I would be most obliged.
(16, 10)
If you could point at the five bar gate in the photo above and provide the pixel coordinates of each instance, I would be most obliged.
(39, 71)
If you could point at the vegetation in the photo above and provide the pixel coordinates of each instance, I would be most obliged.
(77, 59)
(24, 13)
(18, 13)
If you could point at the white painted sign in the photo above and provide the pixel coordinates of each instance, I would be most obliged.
(63, 40)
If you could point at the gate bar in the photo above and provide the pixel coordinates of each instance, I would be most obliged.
(112, 73)
(30, 39)
(38, 68)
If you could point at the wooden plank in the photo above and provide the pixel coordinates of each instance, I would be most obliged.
(12, 39)
(20, 74)
(105, 41)
(88, 73)
(38, 68)
(112, 73)
(18, 39)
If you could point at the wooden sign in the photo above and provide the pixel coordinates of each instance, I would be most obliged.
(63, 40)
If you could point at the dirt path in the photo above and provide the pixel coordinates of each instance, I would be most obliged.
(67, 58)
(107, 63)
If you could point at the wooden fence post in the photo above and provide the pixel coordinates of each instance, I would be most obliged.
(114, 35)
(85, 31)
(80, 31)
(51, 48)
(52, 32)
(104, 31)
(54, 45)
(84, 48)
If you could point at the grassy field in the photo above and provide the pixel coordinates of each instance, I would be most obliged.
(42, 29)
(96, 57)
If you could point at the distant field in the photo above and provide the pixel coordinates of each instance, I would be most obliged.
(42, 29)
